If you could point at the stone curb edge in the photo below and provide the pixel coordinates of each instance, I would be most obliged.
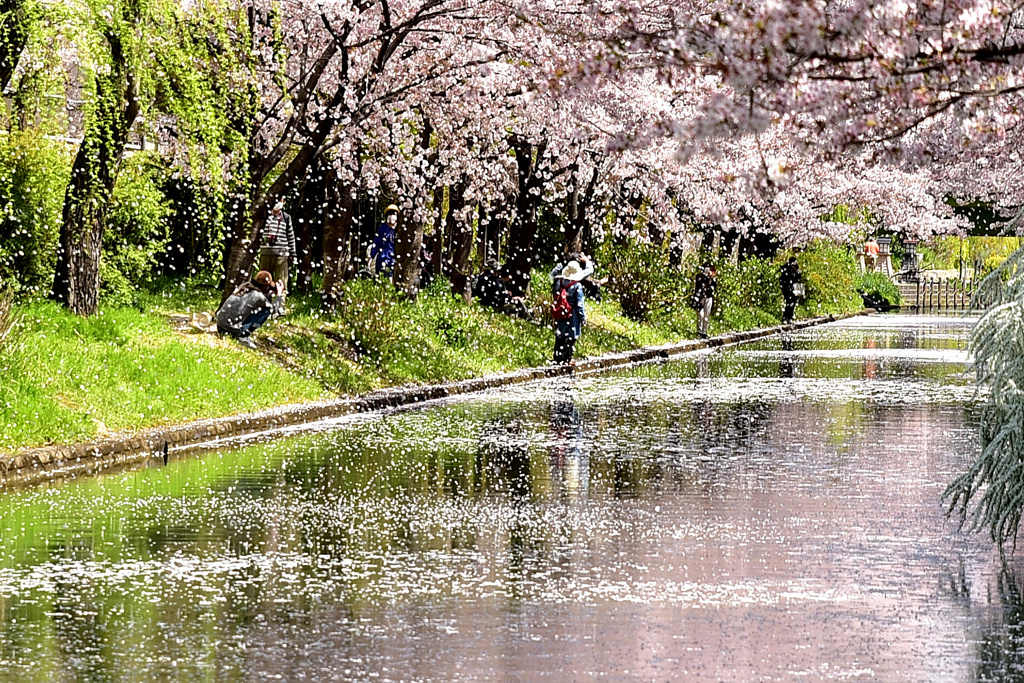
(46, 462)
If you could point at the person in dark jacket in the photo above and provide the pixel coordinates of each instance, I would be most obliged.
(490, 288)
(568, 331)
(426, 264)
(789, 279)
(382, 251)
(249, 307)
(704, 296)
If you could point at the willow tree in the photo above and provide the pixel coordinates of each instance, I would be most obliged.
(110, 72)
(130, 58)
(990, 495)
(14, 32)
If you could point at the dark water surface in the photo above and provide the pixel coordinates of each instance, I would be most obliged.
(767, 512)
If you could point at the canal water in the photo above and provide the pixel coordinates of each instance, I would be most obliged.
(765, 512)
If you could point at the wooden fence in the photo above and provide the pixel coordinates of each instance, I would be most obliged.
(951, 294)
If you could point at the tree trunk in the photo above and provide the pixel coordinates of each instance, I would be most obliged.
(440, 246)
(337, 240)
(76, 281)
(524, 227)
(577, 219)
(304, 266)
(364, 229)
(409, 235)
(245, 240)
(489, 234)
(629, 211)
(308, 215)
(408, 244)
(574, 228)
(462, 243)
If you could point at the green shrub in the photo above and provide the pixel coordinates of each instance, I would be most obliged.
(830, 274)
(365, 317)
(136, 233)
(752, 284)
(642, 280)
(34, 172)
(878, 286)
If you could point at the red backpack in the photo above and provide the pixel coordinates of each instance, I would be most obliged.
(561, 309)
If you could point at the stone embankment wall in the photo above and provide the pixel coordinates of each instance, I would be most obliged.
(155, 444)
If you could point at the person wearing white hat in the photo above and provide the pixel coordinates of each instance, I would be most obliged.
(278, 247)
(568, 312)
(579, 257)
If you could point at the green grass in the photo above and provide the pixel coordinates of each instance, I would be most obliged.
(69, 379)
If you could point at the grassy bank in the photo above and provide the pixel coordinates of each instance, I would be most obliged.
(68, 379)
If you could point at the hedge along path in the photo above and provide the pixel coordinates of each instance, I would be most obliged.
(157, 445)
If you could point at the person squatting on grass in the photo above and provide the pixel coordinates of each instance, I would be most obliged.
(490, 288)
(568, 323)
(278, 248)
(249, 307)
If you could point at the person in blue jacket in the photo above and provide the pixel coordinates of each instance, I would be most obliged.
(567, 331)
(382, 253)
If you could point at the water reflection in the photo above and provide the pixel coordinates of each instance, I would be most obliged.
(1001, 642)
(567, 452)
(787, 364)
(503, 458)
(765, 512)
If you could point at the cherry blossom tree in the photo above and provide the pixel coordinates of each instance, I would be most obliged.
(933, 88)
(839, 73)
(337, 78)
(900, 86)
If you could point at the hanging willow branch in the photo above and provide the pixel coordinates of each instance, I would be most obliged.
(991, 493)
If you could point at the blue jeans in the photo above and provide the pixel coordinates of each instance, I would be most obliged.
(252, 323)
(565, 347)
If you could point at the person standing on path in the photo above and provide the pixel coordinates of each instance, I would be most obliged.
(278, 248)
(791, 282)
(382, 251)
(870, 254)
(249, 307)
(704, 296)
(568, 323)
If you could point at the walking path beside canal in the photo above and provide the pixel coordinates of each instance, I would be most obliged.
(38, 464)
